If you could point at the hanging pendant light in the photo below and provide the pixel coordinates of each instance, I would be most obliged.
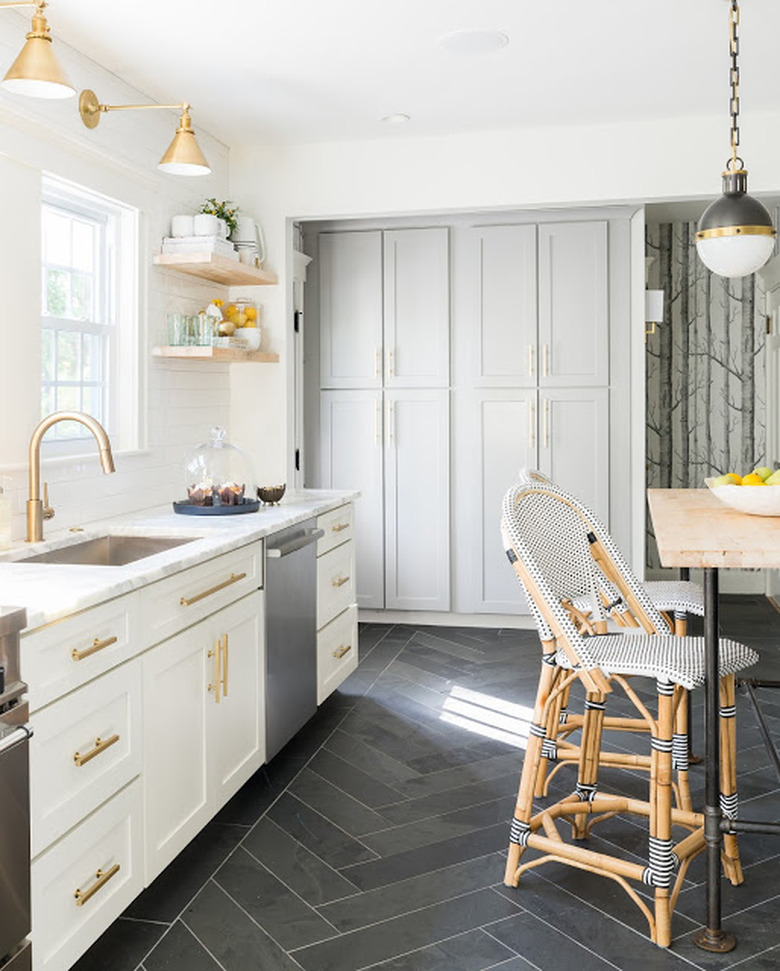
(735, 236)
(36, 71)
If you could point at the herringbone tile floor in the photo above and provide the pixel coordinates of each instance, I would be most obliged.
(376, 838)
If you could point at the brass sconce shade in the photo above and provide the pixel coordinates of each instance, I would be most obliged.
(183, 156)
(36, 71)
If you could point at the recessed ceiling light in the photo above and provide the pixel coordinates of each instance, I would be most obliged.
(473, 41)
(399, 118)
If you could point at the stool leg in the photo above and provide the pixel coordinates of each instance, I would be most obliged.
(553, 720)
(661, 859)
(680, 751)
(590, 751)
(728, 776)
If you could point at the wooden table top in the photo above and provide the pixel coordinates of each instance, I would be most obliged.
(693, 528)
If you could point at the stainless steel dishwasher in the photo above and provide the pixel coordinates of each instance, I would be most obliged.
(291, 633)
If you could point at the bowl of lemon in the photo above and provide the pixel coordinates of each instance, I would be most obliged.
(753, 493)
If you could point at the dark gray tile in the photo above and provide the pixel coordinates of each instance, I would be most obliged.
(362, 948)
(235, 940)
(426, 859)
(546, 947)
(261, 791)
(362, 786)
(421, 891)
(472, 951)
(481, 770)
(434, 829)
(373, 761)
(335, 804)
(323, 838)
(296, 866)
(280, 912)
(180, 951)
(122, 947)
(452, 799)
(173, 889)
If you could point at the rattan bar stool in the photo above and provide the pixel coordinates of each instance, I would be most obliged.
(543, 547)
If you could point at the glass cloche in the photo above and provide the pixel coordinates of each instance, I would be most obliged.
(218, 474)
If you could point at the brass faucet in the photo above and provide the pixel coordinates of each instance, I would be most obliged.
(36, 510)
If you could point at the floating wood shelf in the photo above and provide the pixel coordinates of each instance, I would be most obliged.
(224, 354)
(217, 269)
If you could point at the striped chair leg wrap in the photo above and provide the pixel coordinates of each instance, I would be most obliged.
(594, 705)
(563, 717)
(519, 832)
(680, 753)
(729, 805)
(663, 863)
(549, 750)
(585, 793)
(665, 688)
(680, 615)
(730, 711)
(663, 744)
(538, 730)
(549, 659)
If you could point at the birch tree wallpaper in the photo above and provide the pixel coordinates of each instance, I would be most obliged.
(705, 369)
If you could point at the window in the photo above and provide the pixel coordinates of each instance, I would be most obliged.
(89, 318)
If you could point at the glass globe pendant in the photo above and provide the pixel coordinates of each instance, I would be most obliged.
(735, 234)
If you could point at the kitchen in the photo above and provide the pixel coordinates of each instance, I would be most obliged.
(388, 176)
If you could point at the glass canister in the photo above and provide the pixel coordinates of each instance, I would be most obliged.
(217, 473)
(242, 312)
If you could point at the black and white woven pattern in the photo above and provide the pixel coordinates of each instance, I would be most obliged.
(679, 596)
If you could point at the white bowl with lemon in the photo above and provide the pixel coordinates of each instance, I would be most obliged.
(754, 493)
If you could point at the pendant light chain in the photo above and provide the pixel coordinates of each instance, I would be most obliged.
(734, 74)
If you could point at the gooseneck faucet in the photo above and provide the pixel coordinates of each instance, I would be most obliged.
(36, 512)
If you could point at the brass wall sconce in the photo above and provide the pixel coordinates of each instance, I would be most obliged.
(183, 156)
(36, 71)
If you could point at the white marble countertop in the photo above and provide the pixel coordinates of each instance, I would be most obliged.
(52, 591)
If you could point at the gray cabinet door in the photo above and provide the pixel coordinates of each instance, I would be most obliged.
(573, 305)
(417, 308)
(352, 457)
(350, 293)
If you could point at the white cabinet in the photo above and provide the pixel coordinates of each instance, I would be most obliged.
(203, 724)
(337, 626)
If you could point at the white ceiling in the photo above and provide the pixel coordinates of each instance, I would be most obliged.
(294, 71)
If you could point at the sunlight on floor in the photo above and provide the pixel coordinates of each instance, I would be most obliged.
(488, 716)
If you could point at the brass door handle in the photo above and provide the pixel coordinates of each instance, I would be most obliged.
(338, 527)
(97, 645)
(233, 578)
(339, 581)
(101, 879)
(341, 651)
(224, 643)
(101, 744)
(216, 684)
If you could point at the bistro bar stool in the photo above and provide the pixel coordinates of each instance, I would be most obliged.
(543, 545)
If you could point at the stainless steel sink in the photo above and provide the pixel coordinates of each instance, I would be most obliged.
(109, 550)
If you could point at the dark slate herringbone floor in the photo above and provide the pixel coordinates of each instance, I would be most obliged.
(376, 838)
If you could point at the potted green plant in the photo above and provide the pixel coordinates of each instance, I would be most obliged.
(224, 210)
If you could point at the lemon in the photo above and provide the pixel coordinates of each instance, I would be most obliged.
(752, 479)
(251, 313)
(734, 478)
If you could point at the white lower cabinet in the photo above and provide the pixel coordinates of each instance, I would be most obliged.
(337, 652)
(203, 724)
(337, 625)
(81, 884)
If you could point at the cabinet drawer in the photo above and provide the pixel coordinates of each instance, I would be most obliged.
(339, 526)
(66, 654)
(84, 748)
(108, 842)
(335, 582)
(337, 652)
(181, 600)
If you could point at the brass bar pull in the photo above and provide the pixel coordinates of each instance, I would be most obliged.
(377, 361)
(531, 424)
(341, 651)
(531, 360)
(338, 527)
(339, 581)
(224, 642)
(233, 578)
(215, 685)
(390, 364)
(97, 645)
(377, 432)
(101, 744)
(546, 422)
(545, 360)
(101, 879)
(391, 421)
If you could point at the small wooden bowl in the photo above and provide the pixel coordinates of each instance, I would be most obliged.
(271, 495)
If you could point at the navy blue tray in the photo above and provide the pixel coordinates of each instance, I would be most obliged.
(186, 508)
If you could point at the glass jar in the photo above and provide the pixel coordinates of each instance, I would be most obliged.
(243, 312)
(217, 473)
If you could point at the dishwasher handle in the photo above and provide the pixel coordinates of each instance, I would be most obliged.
(20, 734)
(306, 538)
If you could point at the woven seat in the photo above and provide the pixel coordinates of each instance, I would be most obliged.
(555, 551)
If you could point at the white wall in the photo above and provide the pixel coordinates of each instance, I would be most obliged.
(179, 402)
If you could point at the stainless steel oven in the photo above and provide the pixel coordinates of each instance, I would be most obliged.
(15, 950)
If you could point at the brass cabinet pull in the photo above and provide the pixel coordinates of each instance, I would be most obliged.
(101, 879)
(338, 527)
(545, 360)
(233, 578)
(101, 744)
(341, 651)
(217, 655)
(531, 424)
(97, 645)
(531, 367)
(224, 643)
(339, 581)
(546, 423)
(377, 361)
